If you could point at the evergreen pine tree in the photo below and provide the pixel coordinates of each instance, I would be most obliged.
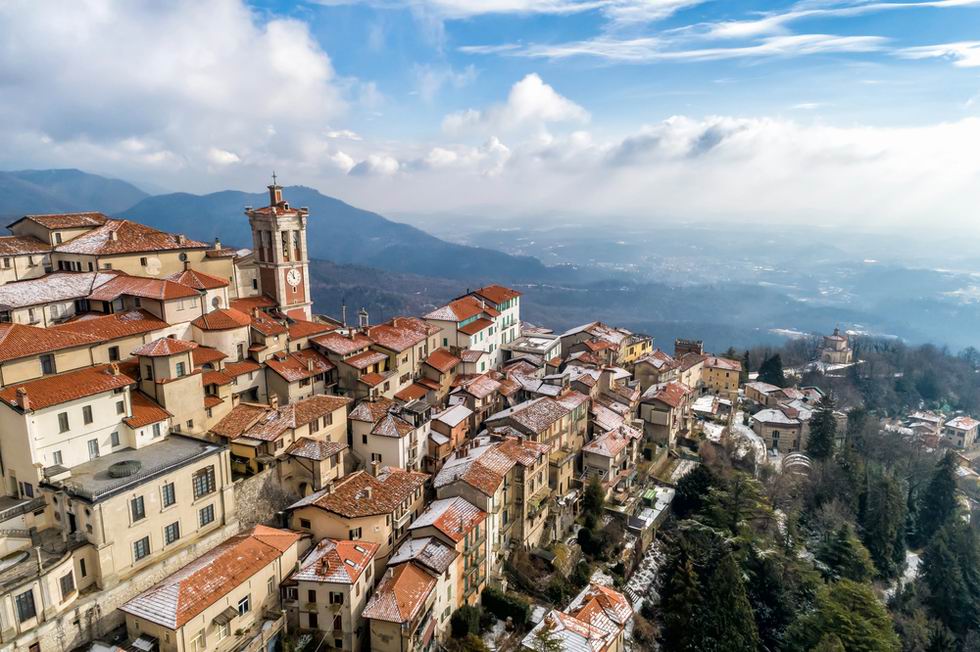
(845, 556)
(937, 503)
(746, 361)
(727, 622)
(692, 491)
(681, 595)
(883, 524)
(771, 371)
(823, 430)
(850, 611)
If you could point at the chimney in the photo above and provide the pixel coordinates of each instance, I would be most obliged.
(330, 488)
(255, 312)
(187, 265)
(274, 401)
(309, 364)
(113, 369)
(375, 468)
(180, 238)
(22, 400)
(368, 490)
(217, 244)
(113, 235)
(362, 318)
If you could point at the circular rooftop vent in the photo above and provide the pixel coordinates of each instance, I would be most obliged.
(124, 469)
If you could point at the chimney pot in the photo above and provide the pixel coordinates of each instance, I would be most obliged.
(375, 468)
(217, 244)
(180, 238)
(114, 369)
(274, 401)
(22, 399)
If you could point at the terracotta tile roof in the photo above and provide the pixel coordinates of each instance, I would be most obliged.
(482, 466)
(455, 517)
(197, 280)
(428, 552)
(361, 494)
(413, 392)
(340, 344)
(139, 286)
(365, 359)
(145, 411)
(124, 237)
(373, 380)
(461, 310)
(187, 592)
(392, 425)
(248, 304)
(401, 594)
(613, 604)
(301, 328)
(165, 346)
(671, 393)
(714, 362)
(222, 320)
(211, 401)
(337, 561)
(57, 286)
(534, 416)
(299, 365)
(67, 220)
(54, 390)
(523, 451)
(17, 245)
(442, 360)
(659, 360)
(496, 294)
(211, 377)
(475, 327)
(480, 386)
(21, 341)
(238, 420)
(266, 325)
(240, 368)
(314, 449)
(203, 355)
(429, 384)
(371, 411)
(264, 423)
(571, 634)
(963, 423)
(453, 415)
(608, 444)
(401, 333)
(472, 355)
(114, 326)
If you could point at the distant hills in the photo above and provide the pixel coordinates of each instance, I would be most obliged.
(337, 232)
(58, 191)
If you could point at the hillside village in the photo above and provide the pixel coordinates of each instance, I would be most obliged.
(194, 459)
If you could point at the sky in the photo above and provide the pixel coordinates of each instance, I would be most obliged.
(857, 113)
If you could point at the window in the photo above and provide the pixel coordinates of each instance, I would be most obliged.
(223, 631)
(47, 364)
(62, 422)
(200, 642)
(120, 407)
(93, 448)
(305, 523)
(311, 595)
(354, 534)
(67, 583)
(113, 353)
(190, 424)
(141, 548)
(206, 515)
(81, 567)
(376, 457)
(270, 586)
(149, 372)
(56, 458)
(181, 369)
(114, 438)
(143, 261)
(244, 605)
(336, 597)
(169, 494)
(156, 430)
(171, 533)
(87, 414)
(57, 238)
(364, 439)
(25, 606)
(314, 621)
(137, 509)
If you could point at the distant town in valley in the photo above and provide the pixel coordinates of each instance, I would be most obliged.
(195, 457)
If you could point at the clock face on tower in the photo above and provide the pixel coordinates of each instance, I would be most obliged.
(293, 277)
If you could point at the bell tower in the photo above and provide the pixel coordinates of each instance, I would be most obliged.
(279, 243)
